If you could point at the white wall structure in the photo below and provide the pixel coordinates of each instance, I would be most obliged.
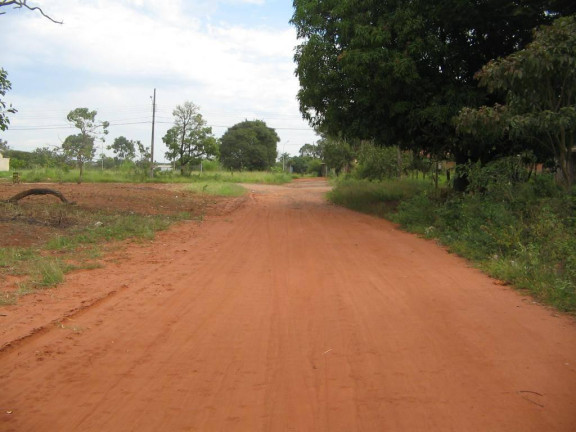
(4, 163)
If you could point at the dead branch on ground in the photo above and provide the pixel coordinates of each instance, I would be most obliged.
(28, 192)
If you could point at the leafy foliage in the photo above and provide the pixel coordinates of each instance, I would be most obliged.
(378, 163)
(190, 139)
(397, 72)
(123, 148)
(81, 146)
(540, 86)
(378, 198)
(5, 109)
(249, 145)
(338, 154)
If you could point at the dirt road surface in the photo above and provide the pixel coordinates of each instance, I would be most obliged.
(288, 314)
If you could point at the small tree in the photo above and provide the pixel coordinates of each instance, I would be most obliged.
(190, 139)
(123, 148)
(540, 85)
(48, 157)
(81, 146)
(81, 149)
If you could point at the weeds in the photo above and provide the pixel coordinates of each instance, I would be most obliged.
(520, 231)
(128, 176)
(377, 198)
(212, 187)
(77, 247)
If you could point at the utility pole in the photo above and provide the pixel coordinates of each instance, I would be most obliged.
(152, 143)
(284, 156)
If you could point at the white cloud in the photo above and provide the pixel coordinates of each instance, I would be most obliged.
(117, 52)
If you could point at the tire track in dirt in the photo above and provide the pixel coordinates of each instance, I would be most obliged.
(290, 314)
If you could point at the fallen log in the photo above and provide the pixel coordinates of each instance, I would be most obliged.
(28, 192)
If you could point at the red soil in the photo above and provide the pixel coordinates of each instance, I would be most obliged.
(287, 314)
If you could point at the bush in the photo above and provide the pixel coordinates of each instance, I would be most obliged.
(378, 163)
(315, 167)
(378, 198)
(519, 229)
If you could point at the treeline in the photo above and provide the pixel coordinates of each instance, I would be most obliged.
(467, 81)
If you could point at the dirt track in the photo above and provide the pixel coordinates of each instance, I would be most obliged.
(288, 315)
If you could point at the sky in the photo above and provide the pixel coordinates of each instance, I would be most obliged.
(232, 58)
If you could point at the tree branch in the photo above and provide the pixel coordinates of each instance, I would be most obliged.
(18, 4)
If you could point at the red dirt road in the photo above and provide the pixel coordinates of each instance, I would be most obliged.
(288, 314)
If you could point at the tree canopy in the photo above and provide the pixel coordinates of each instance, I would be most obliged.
(81, 146)
(249, 145)
(540, 87)
(397, 72)
(190, 139)
(123, 148)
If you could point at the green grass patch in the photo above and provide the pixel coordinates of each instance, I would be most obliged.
(78, 247)
(211, 187)
(523, 233)
(378, 198)
(92, 175)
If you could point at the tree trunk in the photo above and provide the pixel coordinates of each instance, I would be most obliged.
(81, 164)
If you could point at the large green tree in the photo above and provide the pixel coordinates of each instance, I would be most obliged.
(81, 146)
(397, 72)
(190, 139)
(540, 87)
(249, 145)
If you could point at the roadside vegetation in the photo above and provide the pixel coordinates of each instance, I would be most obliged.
(422, 87)
(87, 233)
(514, 224)
(82, 237)
(98, 175)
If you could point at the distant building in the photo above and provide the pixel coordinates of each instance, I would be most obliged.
(163, 166)
(4, 163)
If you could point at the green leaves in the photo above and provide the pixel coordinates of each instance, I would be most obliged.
(398, 72)
(190, 139)
(81, 146)
(540, 87)
(5, 109)
(249, 145)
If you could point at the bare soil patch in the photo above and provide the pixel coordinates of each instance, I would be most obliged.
(34, 219)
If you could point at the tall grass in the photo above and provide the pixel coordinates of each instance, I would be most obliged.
(522, 232)
(92, 175)
(373, 197)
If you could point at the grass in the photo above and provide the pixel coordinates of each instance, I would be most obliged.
(523, 234)
(212, 187)
(376, 198)
(127, 176)
(77, 247)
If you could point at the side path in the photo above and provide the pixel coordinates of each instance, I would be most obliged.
(293, 315)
